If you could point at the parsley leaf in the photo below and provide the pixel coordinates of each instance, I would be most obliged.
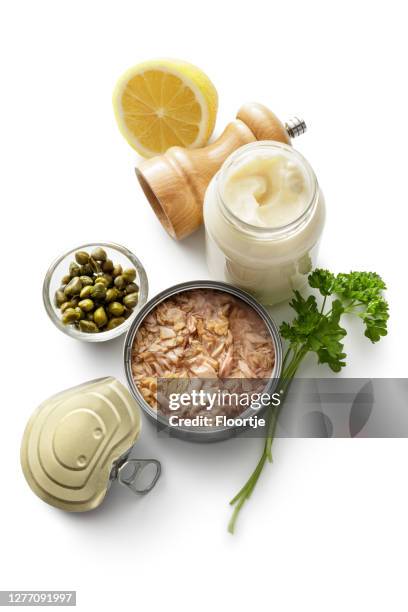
(305, 323)
(316, 332)
(375, 318)
(323, 280)
(359, 286)
(362, 294)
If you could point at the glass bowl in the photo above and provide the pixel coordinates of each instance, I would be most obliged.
(119, 255)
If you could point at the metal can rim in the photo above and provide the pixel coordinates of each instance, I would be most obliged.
(220, 433)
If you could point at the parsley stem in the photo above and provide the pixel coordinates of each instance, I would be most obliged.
(272, 420)
(286, 357)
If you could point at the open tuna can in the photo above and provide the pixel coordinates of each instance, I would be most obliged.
(192, 346)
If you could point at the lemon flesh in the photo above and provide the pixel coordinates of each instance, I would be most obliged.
(164, 103)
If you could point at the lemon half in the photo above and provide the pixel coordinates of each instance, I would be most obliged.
(162, 103)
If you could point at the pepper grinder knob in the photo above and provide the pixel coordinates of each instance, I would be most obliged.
(295, 126)
(175, 183)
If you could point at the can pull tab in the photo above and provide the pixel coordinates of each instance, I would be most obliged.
(132, 474)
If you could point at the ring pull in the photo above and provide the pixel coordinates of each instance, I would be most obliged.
(130, 472)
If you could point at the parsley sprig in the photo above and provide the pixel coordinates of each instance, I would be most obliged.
(316, 329)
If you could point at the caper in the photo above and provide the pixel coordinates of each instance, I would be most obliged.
(86, 280)
(67, 305)
(82, 257)
(74, 286)
(65, 279)
(74, 269)
(127, 312)
(131, 288)
(102, 280)
(108, 278)
(86, 292)
(116, 309)
(129, 274)
(86, 270)
(98, 291)
(73, 303)
(120, 282)
(70, 316)
(115, 322)
(86, 305)
(131, 300)
(111, 295)
(99, 254)
(88, 327)
(81, 314)
(107, 265)
(117, 270)
(100, 316)
(60, 298)
(89, 316)
(95, 266)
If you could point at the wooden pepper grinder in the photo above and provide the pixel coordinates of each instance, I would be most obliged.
(175, 183)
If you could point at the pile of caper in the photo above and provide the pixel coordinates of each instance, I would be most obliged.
(96, 295)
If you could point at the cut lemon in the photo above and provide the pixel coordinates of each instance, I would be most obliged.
(162, 103)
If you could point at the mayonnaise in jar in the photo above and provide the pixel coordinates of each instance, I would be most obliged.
(264, 214)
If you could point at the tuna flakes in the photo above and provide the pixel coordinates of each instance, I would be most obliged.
(201, 333)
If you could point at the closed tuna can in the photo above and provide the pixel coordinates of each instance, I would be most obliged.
(79, 440)
(144, 318)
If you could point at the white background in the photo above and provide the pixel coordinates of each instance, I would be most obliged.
(327, 527)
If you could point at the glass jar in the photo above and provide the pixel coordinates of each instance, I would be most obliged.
(267, 261)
